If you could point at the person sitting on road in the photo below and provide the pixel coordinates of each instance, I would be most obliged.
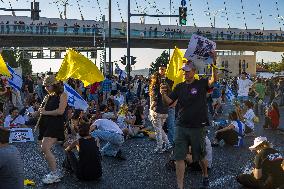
(108, 131)
(88, 166)
(232, 134)
(14, 120)
(272, 117)
(267, 173)
(248, 118)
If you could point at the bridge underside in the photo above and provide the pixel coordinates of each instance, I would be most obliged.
(88, 41)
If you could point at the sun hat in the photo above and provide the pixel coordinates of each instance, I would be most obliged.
(49, 80)
(257, 141)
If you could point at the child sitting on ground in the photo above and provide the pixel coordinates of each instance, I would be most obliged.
(88, 166)
(272, 117)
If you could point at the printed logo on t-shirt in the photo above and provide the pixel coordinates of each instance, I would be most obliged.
(274, 157)
(193, 91)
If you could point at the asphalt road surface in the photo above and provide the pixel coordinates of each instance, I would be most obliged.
(146, 169)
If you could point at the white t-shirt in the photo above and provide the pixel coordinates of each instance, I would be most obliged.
(208, 152)
(249, 115)
(107, 125)
(20, 120)
(244, 86)
(236, 128)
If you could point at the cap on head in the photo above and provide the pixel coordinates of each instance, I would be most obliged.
(257, 141)
(188, 67)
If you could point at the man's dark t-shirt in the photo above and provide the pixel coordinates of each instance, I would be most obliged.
(192, 102)
(269, 160)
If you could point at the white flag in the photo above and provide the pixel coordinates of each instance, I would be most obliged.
(74, 99)
(199, 48)
(15, 80)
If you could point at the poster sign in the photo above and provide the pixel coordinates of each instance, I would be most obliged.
(199, 48)
(21, 135)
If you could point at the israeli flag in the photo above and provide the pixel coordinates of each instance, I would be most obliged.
(229, 94)
(121, 74)
(15, 80)
(74, 99)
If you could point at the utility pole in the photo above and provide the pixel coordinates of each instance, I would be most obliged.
(128, 39)
(109, 39)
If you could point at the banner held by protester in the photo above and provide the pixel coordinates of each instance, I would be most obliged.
(200, 48)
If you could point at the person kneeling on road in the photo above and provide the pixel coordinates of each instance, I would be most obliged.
(108, 131)
(267, 173)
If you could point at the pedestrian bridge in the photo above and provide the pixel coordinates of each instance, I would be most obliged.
(89, 34)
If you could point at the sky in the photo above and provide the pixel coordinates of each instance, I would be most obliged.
(94, 9)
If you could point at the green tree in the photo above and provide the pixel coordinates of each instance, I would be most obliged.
(15, 59)
(162, 59)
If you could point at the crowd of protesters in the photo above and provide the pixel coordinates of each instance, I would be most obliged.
(47, 28)
(120, 109)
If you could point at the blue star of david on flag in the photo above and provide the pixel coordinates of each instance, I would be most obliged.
(74, 99)
(15, 80)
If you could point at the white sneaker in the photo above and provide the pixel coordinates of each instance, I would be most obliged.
(52, 178)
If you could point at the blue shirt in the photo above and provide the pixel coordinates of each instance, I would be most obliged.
(216, 90)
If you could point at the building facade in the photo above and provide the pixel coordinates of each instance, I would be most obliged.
(236, 62)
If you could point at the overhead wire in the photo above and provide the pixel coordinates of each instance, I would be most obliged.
(226, 13)
(209, 13)
(191, 10)
(80, 10)
(243, 12)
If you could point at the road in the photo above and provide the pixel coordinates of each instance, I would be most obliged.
(145, 169)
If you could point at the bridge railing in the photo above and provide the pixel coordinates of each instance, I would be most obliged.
(22, 29)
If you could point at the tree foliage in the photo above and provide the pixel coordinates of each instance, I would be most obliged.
(272, 66)
(162, 59)
(15, 59)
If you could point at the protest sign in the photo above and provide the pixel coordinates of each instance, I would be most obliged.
(199, 48)
(21, 135)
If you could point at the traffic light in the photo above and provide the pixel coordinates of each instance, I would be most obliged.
(133, 60)
(123, 60)
(35, 10)
(182, 15)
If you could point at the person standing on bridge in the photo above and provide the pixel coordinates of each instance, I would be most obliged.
(192, 119)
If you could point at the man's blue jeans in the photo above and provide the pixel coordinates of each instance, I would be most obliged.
(114, 141)
(171, 124)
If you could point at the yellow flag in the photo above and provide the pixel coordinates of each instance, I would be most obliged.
(174, 71)
(77, 66)
(3, 67)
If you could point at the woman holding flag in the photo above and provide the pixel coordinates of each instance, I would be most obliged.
(51, 124)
